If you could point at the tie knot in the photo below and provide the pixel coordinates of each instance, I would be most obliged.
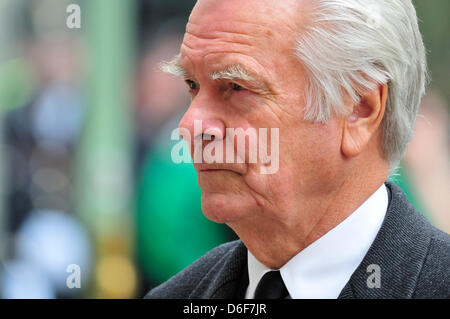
(271, 286)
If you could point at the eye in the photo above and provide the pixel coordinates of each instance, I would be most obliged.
(236, 87)
(192, 85)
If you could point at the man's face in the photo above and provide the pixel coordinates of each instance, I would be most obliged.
(259, 36)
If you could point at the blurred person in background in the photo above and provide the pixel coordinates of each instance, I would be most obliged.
(427, 160)
(44, 234)
(154, 108)
(42, 134)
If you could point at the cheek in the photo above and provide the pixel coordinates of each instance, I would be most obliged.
(307, 169)
(311, 156)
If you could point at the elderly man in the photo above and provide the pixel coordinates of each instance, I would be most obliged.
(342, 81)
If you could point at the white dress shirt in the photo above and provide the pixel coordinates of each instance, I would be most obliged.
(321, 270)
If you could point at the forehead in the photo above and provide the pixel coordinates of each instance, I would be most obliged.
(241, 27)
(260, 12)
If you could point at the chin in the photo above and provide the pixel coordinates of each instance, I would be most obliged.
(225, 208)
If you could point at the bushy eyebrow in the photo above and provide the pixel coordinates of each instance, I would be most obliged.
(234, 72)
(175, 67)
(238, 72)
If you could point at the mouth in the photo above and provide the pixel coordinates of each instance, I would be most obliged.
(214, 170)
(217, 168)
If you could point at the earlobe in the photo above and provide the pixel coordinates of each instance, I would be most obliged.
(364, 121)
(354, 138)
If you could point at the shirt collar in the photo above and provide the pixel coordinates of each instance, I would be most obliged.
(322, 269)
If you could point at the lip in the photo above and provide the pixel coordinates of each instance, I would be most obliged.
(211, 168)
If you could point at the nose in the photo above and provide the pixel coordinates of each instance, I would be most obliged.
(211, 130)
(202, 123)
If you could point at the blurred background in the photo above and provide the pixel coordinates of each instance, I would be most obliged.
(91, 204)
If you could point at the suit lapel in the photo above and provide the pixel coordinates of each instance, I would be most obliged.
(227, 279)
(399, 250)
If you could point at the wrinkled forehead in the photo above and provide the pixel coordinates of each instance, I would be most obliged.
(256, 17)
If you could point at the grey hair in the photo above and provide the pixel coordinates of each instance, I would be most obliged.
(351, 46)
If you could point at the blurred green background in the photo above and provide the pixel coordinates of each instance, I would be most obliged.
(86, 176)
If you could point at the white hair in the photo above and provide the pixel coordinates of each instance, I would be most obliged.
(350, 46)
(230, 72)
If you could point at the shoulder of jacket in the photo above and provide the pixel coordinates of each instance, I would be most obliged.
(180, 285)
(434, 279)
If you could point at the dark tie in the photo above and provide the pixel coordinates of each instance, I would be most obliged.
(271, 286)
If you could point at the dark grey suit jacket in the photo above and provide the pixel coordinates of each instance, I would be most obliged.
(414, 259)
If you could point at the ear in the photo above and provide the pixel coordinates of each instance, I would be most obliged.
(364, 121)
